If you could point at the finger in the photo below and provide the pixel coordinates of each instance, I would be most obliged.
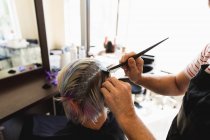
(108, 85)
(105, 92)
(125, 83)
(139, 63)
(128, 85)
(132, 63)
(124, 67)
(132, 66)
(123, 58)
(126, 56)
(114, 81)
(131, 54)
(126, 71)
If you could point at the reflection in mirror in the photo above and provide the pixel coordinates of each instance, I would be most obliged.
(19, 44)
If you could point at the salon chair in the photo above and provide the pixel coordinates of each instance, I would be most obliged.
(135, 89)
(149, 63)
(43, 127)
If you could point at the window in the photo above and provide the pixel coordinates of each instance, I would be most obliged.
(72, 23)
(103, 22)
(144, 22)
(9, 26)
(138, 24)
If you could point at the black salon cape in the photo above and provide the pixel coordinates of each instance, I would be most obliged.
(109, 131)
(193, 119)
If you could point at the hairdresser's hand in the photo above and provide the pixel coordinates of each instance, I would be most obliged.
(134, 68)
(117, 96)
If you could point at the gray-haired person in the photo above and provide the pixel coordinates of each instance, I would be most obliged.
(79, 85)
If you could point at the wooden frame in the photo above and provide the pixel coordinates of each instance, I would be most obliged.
(11, 80)
(42, 33)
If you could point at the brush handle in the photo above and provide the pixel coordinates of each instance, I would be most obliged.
(137, 55)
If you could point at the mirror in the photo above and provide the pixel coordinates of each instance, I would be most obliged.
(20, 49)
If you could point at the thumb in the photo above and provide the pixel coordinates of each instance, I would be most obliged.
(132, 64)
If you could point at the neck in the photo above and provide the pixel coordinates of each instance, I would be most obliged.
(98, 123)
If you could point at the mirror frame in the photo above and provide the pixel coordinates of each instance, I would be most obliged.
(16, 78)
(42, 33)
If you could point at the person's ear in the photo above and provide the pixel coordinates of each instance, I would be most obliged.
(74, 105)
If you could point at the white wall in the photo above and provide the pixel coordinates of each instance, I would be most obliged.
(54, 21)
(27, 18)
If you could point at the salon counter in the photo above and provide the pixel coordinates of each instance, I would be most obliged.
(19, 95)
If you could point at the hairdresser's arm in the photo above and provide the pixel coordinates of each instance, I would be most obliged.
(117, 96)
(165, 85)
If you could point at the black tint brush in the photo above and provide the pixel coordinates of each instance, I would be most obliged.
(135, 57)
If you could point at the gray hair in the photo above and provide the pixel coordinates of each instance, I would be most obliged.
(79, 85)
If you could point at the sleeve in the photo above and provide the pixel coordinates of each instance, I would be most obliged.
(192, 69)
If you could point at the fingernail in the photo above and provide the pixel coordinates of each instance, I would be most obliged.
(131, 60)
